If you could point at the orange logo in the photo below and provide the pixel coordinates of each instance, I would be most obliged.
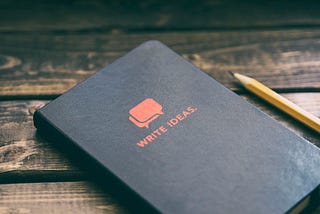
(145, 112)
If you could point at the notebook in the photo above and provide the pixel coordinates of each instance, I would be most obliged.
(182, 141)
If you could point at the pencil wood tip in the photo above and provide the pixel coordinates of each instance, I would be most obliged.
(231, 73)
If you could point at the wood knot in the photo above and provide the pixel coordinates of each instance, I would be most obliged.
(7, 62)
(13, 155)
(8, 155)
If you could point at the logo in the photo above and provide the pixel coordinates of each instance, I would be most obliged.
(145, 112)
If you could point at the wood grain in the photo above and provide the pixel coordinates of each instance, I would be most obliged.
(46, 64)
(24, 153)
(57, 197)
(20, 147)
(46, 47)
(61, 197)
(81, 15)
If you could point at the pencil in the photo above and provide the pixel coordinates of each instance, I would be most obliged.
(278, 101)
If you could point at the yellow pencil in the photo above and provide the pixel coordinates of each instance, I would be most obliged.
(280, 102)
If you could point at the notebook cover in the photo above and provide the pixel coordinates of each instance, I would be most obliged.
(181, 140)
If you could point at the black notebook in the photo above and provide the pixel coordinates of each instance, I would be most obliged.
(182, 141)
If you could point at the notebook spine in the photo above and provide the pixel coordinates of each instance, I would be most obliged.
(38, 120)
(44, 126)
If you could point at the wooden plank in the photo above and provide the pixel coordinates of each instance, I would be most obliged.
(83, 15)
(64, 197)
(59, 197)
(23, 151)
(49, 64)
(21, 148)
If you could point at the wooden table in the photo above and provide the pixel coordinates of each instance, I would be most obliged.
(48, 47)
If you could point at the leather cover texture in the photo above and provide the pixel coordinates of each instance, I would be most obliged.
(181, 140)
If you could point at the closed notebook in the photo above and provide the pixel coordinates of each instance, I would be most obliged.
(182, 141)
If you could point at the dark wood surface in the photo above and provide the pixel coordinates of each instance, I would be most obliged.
(81, 15)
(46, 64)
(46, 47)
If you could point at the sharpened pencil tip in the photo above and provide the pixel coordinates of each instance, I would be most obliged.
(231, 73)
